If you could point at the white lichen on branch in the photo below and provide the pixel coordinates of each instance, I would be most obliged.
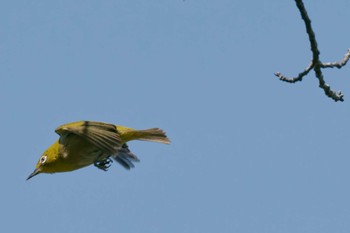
(316, 64)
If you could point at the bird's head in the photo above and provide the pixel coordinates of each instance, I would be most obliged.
(46, 162)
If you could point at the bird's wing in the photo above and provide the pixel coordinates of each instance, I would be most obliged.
(104, 136)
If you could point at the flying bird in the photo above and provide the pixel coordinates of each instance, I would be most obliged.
(84, 143)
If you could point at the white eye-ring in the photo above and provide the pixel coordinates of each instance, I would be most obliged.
(43, 159)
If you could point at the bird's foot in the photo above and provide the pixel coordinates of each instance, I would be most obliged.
(104, 164)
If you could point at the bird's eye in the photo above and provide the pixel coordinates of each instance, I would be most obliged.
(43, 159)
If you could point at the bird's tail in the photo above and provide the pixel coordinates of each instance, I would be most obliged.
(152, 135)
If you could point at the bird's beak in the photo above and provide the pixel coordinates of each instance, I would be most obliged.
(34, 173)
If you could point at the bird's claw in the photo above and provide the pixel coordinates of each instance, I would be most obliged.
(103, 164)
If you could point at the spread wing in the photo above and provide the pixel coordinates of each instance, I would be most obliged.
(104, 136)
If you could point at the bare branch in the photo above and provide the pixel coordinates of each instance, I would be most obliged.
(295, 79)
(316, 64)
(338, 64)
(309, 30)
(335, 95)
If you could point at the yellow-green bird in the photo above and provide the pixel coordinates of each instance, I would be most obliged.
(84, 143)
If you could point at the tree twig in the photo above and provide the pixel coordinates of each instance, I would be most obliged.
(338, 64)
(295, 79)
(316, 64)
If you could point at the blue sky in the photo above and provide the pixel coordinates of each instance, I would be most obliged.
(249, 153)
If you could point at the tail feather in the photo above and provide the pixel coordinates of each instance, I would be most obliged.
(152, 135)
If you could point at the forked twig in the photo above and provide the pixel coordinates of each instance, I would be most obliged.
(316, 64)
